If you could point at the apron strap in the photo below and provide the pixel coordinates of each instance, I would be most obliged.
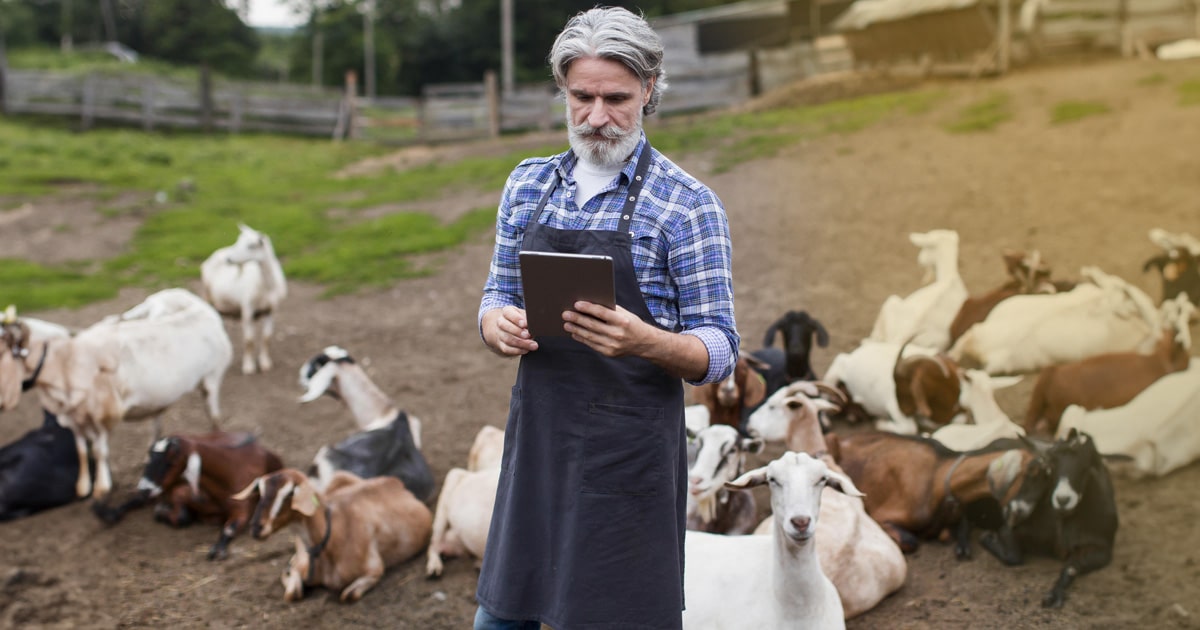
(635, 190)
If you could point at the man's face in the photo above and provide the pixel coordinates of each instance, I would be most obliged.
(604, 110)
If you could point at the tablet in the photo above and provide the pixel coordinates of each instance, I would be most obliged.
(553, 282)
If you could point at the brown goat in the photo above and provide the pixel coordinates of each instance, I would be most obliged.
(351, 533)
(743, 389)
(928, 389)
(195, 478)
(1029, 275)
(1110, 380)
(919, 488)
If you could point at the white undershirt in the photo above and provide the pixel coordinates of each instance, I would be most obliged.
(591, 179)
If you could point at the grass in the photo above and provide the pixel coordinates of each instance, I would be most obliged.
(285, 188)
(1189, 92)
(1070, 111)
(1157, 78)
(984, 115)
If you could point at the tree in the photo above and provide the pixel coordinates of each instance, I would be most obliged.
(196, 32)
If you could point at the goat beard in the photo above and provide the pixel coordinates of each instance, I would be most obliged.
(608, 146)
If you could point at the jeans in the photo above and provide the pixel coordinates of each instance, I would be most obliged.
(485, 620)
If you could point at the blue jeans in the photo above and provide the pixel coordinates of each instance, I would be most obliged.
(485, 620)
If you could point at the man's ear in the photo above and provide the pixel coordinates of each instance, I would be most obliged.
(649, 90)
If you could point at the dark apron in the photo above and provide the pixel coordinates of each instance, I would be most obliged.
(588, 526)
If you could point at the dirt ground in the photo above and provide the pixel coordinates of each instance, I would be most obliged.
(821, 227)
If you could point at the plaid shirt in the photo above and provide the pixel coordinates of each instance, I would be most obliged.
(681, 247)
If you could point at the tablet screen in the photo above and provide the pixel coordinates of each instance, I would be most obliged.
(553, 282)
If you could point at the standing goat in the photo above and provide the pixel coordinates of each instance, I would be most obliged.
(245, 280)
(924, 316)
(389, 442)
(1111, 380)
(768, 581)
(124, 368)
(798, 329)
(350, 533)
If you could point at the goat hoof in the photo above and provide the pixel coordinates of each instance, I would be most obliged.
(962, 553)
(107, 514)
(217, 553)
(1052, 600)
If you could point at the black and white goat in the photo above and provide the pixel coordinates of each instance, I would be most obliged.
(389, 443)
(1178, 265)
(721, 458)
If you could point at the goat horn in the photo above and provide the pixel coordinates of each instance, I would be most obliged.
(832, 391)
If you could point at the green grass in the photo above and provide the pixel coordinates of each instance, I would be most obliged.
(1157, 78)
(84, 62)
(984, 115)
(1070, 111)
(1189, 92)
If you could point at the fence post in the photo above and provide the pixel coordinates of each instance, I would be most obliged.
(206, 103)
(490, 92)
(344, 128)
(755, 80)
(89, 102)
(148, 104)
(235, 123)
(1004, 35)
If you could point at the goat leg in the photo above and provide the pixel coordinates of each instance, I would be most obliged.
(906, 540)
(293, 575)
(220, 549)
(373, 571)
(962, 539)
(1058, 594)
(1002, 543)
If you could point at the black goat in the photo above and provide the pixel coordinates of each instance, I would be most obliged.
(798, 328)
(38, 471)
(1065, 509)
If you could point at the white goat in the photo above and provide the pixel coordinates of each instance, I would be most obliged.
(245, 280)
(867, 374)
(924, 317)
(124, 368)
(464, 509)
(862, 561)
(771, 420)
(767, 581)
(720, 458)
(1158, 428)
(1028, 332)
(334, 370)
(695, 417)
(991, 423)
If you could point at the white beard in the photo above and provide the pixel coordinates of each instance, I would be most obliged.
(608, 147)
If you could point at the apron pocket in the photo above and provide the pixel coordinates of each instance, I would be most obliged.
(622, 450)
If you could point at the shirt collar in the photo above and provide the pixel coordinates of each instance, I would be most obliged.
(566, 166)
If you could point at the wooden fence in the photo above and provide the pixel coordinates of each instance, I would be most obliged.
(1131, 26)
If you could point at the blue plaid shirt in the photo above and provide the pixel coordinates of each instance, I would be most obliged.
(681, 247)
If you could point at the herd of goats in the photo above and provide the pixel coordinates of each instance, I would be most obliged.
(933, 454)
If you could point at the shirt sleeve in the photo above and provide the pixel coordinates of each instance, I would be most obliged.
(503, 285)
(701, 265)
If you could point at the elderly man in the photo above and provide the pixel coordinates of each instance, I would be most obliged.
(589, 517)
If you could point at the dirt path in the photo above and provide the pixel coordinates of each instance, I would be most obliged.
(822, 227)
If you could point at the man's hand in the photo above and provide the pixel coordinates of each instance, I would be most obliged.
(612, 333)
(506, 332)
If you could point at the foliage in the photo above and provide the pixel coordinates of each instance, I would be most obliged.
(16, 24)
(982, 116)
(1069, 111)
(196, 32)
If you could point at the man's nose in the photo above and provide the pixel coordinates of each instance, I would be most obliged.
(597, 113)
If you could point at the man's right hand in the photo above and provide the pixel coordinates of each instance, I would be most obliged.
(506, 332)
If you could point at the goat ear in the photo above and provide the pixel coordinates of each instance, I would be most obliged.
(750, 479)
(822, 334)
(304, 499)
(12, 373)
(192, 473)
(319, 383)
(842, 484)
(755, 391)
(770, 336)
(752, 445)
(691, 435)
(255, 488)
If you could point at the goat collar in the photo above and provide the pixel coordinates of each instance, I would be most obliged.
(315, 550)
(28, 383)
(950, 498)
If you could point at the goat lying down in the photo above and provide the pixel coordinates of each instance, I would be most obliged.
(721, 457)
(38, 471)
(768, 581)
(389, 442)
(924, 316)
(115, 370)
(465, 504)
(350, 533)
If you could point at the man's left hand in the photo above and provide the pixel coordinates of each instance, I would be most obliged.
(612, 333)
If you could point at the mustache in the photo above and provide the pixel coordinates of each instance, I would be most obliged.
(608, 132)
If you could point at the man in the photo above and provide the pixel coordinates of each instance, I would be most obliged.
(589, 518)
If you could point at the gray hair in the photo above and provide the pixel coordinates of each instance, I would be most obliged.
(617, 34)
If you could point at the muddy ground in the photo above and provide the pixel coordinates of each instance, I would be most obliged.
(823, 227)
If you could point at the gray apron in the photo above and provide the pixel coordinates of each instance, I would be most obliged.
(588, 526)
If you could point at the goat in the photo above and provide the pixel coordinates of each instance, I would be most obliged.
(1113, 379)
(463, 515)
(1025, 333)
(1065, 509)
(389, 442)
(797, 329)
(772, 420)
(1157, 428)
(245, 280)
(856, 554)
(990, 421)
(928, 388)
(1029, 275)
(868, 374)
(1178, 265)
(731, 400)
(720, 458)
(38, 471)
(768, 581)
(118, 370)
(924, 316)
(350, 533)
(916, 488)
(195, 477)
